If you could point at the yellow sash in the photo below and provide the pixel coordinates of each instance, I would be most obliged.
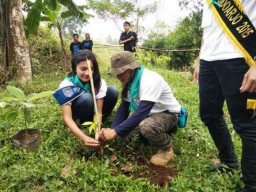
(240, 30)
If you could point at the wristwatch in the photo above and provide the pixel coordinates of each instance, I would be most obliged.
(254, 58)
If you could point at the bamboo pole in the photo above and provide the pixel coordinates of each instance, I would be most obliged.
(89, 63)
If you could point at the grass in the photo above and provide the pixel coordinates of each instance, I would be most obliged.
(61, 163)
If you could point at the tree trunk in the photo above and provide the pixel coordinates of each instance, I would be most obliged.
(4, 40)
(62, 45)
(21, 49)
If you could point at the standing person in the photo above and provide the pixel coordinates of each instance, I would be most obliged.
(155, 108)
(75, 96)
(75, 46)
(129, 38)
(87, 43)
(227, 72)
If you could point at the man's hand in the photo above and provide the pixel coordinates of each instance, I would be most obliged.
(107, 134)
(249, 81)
(196, 73)
(131, 38)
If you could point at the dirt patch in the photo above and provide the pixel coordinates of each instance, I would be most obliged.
(141, 168)
(133, 164)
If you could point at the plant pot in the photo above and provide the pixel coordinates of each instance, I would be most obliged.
(27, 138)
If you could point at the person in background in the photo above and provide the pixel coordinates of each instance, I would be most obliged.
(75, 46)
(224, 74)
(76, 100)
(87, 43)
(129, 38)
(155, 108)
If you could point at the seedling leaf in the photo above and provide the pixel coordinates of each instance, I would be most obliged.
(87, 123)
(39, 95)
(16, 92)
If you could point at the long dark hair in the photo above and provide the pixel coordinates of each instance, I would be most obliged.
(83, 55)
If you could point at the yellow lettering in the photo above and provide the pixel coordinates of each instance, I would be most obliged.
(236, 19)
(227, 12)
(247, 33)
(221, 2)
(226, 6)
(232, 13)
(243, 28)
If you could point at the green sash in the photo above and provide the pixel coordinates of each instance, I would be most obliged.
(76, 81)
(134, 88)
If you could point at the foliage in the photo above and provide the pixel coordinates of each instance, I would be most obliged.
(192, 6)
(93, 126)
(45, 51)
(72, 25)
(122, 9)
(187, 35)
(26, 101)
(49, 10)
(149, 58)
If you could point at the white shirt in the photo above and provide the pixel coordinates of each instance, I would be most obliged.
(216, 44)
(154, 88)
(102, 92)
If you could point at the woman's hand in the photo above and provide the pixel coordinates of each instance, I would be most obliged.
(91, 143)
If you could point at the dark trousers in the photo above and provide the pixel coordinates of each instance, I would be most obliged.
(83, 106)
(220, 81)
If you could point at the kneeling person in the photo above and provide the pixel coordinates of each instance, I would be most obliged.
(75, 96)
(150, 97)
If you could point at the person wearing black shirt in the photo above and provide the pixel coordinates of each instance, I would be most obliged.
(75, 46)
(87, 43)
(128, 38)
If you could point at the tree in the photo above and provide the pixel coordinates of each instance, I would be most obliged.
(53, 11)
(187, 35)
(72, 25)
(193, 6)
(122, 9)
(15, 46)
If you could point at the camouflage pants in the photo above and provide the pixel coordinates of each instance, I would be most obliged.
(156, 129)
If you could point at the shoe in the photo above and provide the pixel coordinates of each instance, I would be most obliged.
(162, 157)
(223, 168)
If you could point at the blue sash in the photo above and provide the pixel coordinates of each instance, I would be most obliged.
(67, 94)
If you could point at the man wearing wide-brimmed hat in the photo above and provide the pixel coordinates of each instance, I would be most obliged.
(150, 97)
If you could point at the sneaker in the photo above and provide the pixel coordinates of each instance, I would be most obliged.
(162, 157)
(223, 168)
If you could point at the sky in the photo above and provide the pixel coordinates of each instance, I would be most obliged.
(99, 29)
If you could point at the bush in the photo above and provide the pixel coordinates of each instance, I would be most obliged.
(45, 51)
(187, 35)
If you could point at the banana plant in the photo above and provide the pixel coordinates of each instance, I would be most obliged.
(26, 102)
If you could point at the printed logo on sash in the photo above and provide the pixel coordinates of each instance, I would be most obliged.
(67, 91)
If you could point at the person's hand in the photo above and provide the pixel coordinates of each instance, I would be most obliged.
(91, 143)
(131, 38)
(107, 134)
(196, 73)
(249, 81)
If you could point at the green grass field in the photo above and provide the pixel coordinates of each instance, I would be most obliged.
(61, 163)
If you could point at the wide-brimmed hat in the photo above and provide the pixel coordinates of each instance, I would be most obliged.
(122, 61)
